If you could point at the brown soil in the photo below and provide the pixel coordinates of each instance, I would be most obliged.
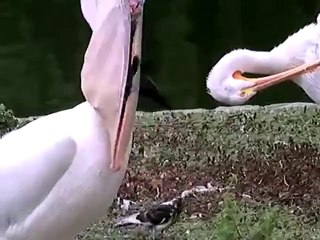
(291, 178)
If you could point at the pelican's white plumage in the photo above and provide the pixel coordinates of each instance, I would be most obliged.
(55, 175)
(58, 179)
(89, 10)
(226, 84)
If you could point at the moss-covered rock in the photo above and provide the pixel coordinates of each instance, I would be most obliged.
(224, 131)
(7, 120)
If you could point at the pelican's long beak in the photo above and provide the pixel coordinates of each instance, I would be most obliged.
(111, 72)
(131, 91)
(265, 82)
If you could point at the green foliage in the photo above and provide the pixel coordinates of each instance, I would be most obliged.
(234, 222)
(227, 226)
(263, 229)
(39, 60)
(41, 47)
(7, 120)
(177, 56)
(240, 221)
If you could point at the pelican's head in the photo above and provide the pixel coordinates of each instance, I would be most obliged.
(226, 83)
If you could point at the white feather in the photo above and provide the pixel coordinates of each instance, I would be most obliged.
(132, 219)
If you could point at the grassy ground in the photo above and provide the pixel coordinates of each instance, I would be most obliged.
(234, 219)
(277, 199)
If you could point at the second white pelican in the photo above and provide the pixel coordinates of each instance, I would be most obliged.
(296, 58)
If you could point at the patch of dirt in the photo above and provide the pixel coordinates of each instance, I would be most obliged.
(291, 177)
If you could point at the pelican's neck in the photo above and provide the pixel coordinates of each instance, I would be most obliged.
(259, 62)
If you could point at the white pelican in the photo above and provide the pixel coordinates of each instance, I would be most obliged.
(61, 172)
(296, 58)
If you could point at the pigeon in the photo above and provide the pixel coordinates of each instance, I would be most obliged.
(157, 218)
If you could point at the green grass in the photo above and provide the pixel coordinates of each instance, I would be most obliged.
(235, 220)
(238, 220)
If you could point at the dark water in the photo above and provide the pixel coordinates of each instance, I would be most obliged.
(42, 45)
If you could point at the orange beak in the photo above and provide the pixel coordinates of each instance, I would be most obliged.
(265, 82)
(122, 147)
(111, 74)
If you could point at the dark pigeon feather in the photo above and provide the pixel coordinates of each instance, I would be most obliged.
(160, 214)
